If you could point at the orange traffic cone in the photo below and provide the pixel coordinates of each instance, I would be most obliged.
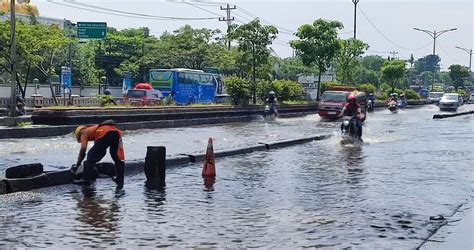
(209, 167)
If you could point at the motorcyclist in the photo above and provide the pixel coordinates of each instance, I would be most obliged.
(371, 99)
(403, 99)
(393, 98)
(20, 106)
(353, 110)
(271, 102)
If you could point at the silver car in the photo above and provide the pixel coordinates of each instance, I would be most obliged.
(450, 102)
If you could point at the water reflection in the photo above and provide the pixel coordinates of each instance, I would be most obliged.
(352, 157)
(209, 183)
(98, 215)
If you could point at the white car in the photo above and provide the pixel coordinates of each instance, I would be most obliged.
(471, 98)
(450, 101)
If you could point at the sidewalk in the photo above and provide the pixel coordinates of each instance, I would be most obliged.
(456, 235)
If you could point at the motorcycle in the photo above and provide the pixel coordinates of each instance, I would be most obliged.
(351, 129)
(392, 106)
(270, 111)
(401, 103)
(370, 105)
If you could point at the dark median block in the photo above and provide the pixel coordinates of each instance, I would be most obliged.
(25, 184)
(442, 116)
(3, 187)
(23, 171)
(287, 143)
(240, 151)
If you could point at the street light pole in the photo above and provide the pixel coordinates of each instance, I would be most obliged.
(355, 15)
(434, 35)
(13, 58)
(469, 51)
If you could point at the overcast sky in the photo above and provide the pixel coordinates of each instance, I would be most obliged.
(386, 25)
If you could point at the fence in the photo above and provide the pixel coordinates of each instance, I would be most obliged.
(49, 101)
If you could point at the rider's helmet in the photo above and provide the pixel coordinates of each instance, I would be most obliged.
(271, 92)
(77, 132)
(371, 94)
(402, 94)
(107, 92)
(351, 98)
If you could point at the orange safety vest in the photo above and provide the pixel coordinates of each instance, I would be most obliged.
(101, 131)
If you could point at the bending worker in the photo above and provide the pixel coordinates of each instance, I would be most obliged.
(105, 135)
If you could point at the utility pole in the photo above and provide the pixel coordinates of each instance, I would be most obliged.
(228, 20)
(469, 51)
(13, 58)
(434, 35)
(355, 16)
(393, 53)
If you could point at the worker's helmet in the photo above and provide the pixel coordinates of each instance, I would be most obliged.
(77, 132)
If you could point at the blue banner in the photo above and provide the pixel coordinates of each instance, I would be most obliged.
(66, 77)
(127, 81)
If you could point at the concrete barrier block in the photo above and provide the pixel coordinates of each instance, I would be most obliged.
(3, 187)
(240, 151)
(134, 167)
(25, 170)
(177, 161)
(196, 157)
(60, 177)
(25, 184)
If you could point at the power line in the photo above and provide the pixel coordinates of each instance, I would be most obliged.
(282, 29)
(386, 38)
(445, 52)
(75, 2)
(97, 9)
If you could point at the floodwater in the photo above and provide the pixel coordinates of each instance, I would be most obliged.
(322, 194)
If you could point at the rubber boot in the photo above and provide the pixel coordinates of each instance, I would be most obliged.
(120, 168)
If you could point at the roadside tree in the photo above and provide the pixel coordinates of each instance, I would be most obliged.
(253, 39)
(317, 45)
(459, 75)
(346, 59)
(393, 73)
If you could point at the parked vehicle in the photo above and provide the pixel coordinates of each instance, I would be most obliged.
(435, 97)
(450, 101)
(143, 94)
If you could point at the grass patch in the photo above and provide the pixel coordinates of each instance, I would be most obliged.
(23, 124)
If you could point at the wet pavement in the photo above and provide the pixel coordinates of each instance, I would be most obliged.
(322, 194)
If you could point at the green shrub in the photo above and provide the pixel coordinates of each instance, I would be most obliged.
(105, 100)
(367, 88)
(238, 89)
(263, 87)
(411, 94)
(287, 90)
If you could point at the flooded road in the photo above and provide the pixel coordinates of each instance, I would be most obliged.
(320, 194)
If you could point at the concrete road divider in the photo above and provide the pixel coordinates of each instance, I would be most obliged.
(442, 116)
(55, 178)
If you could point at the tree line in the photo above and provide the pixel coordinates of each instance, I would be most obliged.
(43, 49)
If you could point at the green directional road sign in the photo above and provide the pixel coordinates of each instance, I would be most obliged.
(91, 30)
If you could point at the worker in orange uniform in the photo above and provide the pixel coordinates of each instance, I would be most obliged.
(105, 135)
